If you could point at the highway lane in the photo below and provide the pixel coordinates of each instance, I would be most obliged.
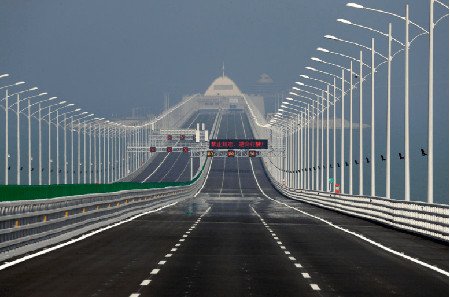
(245, 244)
(249, 245)
(167, 166)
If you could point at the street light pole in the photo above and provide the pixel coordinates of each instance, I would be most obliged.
(372, 134)
(84, 152)
(65, 149)
(18, 139)
(334, 131)
(57, 147)
(321, 143)
(430, 186)
(49, 145)
(343, 130)
(388, 117)
(40, 143)
(350, 184)
(6, 138)
(71, 151)
(79, 153)
(29, 142)
(328, 138)
(407, 156)
(308, 168)
(361, 168)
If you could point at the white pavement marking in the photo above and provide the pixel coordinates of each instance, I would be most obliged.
(135, 295)
(84, 236)
(360, 236)
(298, 265)
(154, 271)
(204, 181)
(156, 169)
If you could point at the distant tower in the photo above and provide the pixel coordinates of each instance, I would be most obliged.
(223, 69)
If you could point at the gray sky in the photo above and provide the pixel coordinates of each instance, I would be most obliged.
(109, 56)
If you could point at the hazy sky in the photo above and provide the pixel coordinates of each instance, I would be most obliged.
(110, 56)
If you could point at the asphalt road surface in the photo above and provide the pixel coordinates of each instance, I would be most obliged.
(175, 167)
(238, 237)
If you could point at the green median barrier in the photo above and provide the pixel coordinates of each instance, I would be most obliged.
(34, 192)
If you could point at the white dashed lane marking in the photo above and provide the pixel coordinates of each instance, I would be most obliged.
(155, 271)
(315, 287)
(305, 275)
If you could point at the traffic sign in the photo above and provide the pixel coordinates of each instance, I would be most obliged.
(152, 149)
(185, 149)
(231, 153)
(238, 144)
(182, 137)
(169, 137)
(252, 153)
(169, 149)
(331, 180)
(210, 154)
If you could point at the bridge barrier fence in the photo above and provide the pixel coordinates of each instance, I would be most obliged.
(34, 192)
(419, 217)
(28, 225)
(32, 224)
(431, 220)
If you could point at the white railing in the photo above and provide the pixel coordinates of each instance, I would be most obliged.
(426, 219)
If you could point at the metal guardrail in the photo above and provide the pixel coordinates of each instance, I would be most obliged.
(33, 224)
(431, 220)
(418, 217)
(24, 223)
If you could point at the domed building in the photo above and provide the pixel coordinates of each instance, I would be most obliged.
(224, 93)
(223, 86)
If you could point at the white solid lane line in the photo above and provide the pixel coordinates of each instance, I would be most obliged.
(145, 282)
(84, 236)
(360, 236)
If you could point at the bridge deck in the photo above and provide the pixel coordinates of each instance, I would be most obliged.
(233, 240)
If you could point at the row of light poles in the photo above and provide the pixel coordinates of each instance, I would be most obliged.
(292, 118)
(98, 153)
